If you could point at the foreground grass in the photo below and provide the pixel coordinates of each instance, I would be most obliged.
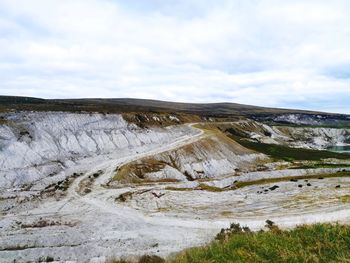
(308, 243)
(314, 243)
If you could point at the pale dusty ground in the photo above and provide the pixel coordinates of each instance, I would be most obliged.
(93, 227)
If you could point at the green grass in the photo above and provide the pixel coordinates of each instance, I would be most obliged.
(308, 243)
(321, 243)
(289, 153)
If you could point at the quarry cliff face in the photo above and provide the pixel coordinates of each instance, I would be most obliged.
(34, 146)
(301, 135)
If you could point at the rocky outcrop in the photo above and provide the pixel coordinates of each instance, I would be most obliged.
(36, 145)
(213, 156)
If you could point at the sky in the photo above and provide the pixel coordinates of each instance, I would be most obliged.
(276, 53)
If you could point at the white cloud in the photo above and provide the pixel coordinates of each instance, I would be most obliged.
(268, 52)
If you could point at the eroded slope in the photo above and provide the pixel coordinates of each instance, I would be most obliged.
(87, 187)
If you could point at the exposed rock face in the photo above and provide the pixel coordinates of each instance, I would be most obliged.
(321, 119)
(306, 137)
(318, 138)
(211, 157)
(37, 145)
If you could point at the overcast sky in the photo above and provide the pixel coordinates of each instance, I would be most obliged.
(279, 53)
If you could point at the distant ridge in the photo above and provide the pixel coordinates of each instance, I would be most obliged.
(20, 100)
(121, 105)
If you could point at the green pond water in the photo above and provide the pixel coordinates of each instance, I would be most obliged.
(342, 149)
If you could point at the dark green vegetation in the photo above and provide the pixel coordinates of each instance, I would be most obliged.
(314, 243)
(284, 152)
(319, 243)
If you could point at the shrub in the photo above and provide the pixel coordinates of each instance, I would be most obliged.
(308, 243)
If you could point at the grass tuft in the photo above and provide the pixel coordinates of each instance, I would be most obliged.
(307, 243)
(209, 188)
(345, 198)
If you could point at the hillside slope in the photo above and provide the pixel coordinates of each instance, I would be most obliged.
(141, 105)
(88, 180)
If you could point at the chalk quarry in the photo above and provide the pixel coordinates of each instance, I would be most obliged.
(87, 187)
